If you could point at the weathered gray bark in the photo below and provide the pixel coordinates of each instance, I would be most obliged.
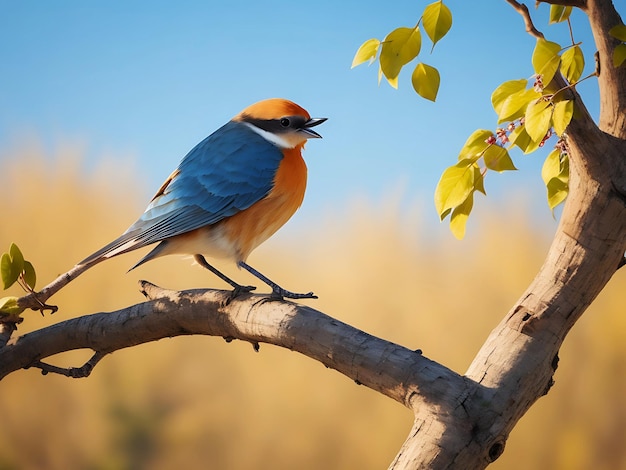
(460, 421)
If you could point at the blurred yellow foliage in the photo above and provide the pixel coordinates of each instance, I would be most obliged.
(198, 402)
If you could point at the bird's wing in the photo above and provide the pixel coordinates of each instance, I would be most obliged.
(224, 174)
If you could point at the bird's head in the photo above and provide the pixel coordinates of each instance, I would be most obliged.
(280, 121)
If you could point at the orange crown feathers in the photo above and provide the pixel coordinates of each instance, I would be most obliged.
(272, 108)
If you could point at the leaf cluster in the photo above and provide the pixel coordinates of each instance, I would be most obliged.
(403, 45)
(14, 268)
(530, 111)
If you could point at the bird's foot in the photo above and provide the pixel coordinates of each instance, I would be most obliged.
(239, 289)
(278, 293)
(33, 302)
(43, 307)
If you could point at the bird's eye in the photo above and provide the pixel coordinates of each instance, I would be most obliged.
(285, 122)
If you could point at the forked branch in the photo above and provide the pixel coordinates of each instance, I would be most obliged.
(74, 372)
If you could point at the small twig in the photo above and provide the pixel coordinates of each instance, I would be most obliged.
(522, 9)
(571, 87)
(37, 300)
(571, 31)
(74, 372)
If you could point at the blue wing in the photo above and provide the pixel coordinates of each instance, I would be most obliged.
(224, 174)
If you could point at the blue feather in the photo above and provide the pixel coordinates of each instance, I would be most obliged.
(224, 174)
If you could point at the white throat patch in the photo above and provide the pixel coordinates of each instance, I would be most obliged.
(273, 138)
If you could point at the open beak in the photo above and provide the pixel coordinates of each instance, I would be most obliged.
(312, 123)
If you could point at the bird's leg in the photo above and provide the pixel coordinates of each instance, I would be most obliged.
(278, 292)
(237, 288)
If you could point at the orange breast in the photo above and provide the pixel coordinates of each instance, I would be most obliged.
(251, 227)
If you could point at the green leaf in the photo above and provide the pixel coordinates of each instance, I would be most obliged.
(498, 159)
(555, 175)
(479, 180)
(564, 174)
(562, 115)
(7, 271)
(551, 166)
(556, 166)
(619, 55)
(537, 119)
(437, 21)
(425, 81)
(559, 13)
(520, 137)
(9, 306)
(506, 89)
(475, 145)
(17, 258)
(557, 192)
(367, 52)
(618, 32)
(546, 59)
(514, 107)
(572, 64)
(460, 214)
(399, 48)
(455, 185)
(30, 277)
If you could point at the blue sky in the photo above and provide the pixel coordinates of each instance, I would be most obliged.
(147, 80)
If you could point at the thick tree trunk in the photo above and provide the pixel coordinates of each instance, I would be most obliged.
(516, 364)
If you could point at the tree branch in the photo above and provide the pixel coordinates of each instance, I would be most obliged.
(522, 9)
(516, 364)
(393, 370)
(37, 300)
(74, 372)
(611, 80)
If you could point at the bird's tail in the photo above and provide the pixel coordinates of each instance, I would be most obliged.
(157, 251)
(123, 244)
(116, 247)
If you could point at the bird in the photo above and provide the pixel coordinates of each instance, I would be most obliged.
(228, 195)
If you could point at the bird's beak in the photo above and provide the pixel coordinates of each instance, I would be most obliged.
(312, 123)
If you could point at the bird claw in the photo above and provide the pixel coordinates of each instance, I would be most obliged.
(280, 294)
(34, 303)
(43, 307)
(239, 289)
